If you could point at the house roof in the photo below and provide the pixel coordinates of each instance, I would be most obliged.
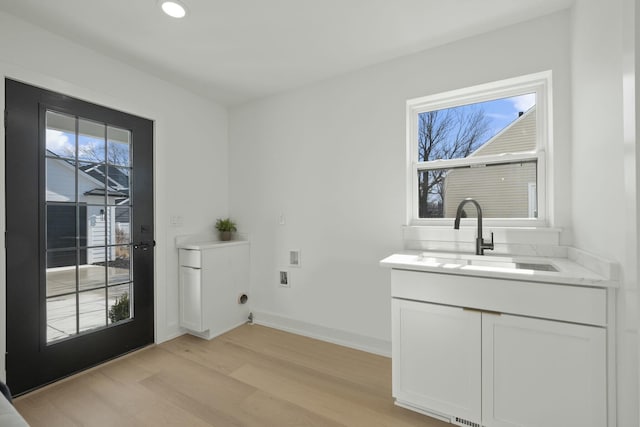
(501, 137)
(101, 192)
(117, 181)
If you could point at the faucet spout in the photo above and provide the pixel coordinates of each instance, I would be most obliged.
(480, 243)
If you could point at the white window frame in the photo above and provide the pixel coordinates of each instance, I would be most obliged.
(538, 83)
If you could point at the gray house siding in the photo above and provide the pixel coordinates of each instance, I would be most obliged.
(502, 190)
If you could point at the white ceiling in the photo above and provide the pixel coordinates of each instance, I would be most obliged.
(233, 51)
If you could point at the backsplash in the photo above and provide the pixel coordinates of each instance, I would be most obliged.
(516, 241)
(521, 241)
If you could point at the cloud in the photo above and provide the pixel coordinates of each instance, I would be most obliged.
(58, 142)
(524, 102)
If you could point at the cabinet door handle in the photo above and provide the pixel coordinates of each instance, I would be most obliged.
(477, 310)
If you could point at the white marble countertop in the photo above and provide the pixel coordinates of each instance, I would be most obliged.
(210, 244)
(570, 271)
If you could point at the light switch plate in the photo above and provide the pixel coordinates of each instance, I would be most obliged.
(176, 220)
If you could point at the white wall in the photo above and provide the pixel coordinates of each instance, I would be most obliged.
(190, 142)
(635, 79)
(331, 158)
(604, 165)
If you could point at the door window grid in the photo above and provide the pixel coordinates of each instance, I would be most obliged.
(89, 279)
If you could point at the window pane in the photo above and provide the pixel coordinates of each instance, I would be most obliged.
(506, 125)
(93, 231)
(119, 264)
(91, 183)
(61, 180)
(92, 273)
(120, 303)
(118, 181)
(92, 309)
(60, 136)
(118, 148)
(61, 272)
(120, 221)
(61, 226)
(503, 191)
(61, 317)
(91, 141)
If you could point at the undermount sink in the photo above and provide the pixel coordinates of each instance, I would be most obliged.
(516, 265)
(488, 263)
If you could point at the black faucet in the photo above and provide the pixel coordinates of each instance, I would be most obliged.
(480, 244)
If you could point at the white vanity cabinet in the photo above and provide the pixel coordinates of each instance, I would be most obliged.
(436, 358)
(542, 373)
(500, 353)
(213, 279)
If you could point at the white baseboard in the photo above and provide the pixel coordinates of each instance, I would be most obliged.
(170, 335)
(209, 335)
(323, 333)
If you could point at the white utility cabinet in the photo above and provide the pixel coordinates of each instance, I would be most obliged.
(542, 373)
(437, 353)
(486, 352)
(214, 277)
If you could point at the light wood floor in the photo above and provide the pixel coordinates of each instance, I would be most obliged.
(251, 376)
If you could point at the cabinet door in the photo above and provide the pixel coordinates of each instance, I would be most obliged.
(191, 298)
(436, 359)
(541, 373)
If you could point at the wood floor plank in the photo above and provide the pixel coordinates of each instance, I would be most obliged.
(346, 389)
(274, 412)
(41, 412)
(215, 414)
(252, 376)
(217, 354)
(325, 357)
(320, 400)
(84, 408)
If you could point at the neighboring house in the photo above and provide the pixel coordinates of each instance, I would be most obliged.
(99, 217)
(503, 191)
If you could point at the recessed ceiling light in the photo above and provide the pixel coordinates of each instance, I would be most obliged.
(173, 9)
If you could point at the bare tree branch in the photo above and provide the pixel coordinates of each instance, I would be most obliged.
(446, 134)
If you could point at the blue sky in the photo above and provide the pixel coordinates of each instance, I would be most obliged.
(502, 112)
(498, 114)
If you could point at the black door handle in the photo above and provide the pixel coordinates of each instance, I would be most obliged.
(144, 245)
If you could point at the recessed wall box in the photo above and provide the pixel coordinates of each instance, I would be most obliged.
(284, 279)
(294, 258)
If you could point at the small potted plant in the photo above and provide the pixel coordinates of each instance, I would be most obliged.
(225, 228)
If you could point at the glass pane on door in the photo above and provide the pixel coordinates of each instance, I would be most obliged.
(120, 303)
(91, 141)
(60, 135)
(91, 309)
(88, 217)
(61, 317)
(118, 146)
